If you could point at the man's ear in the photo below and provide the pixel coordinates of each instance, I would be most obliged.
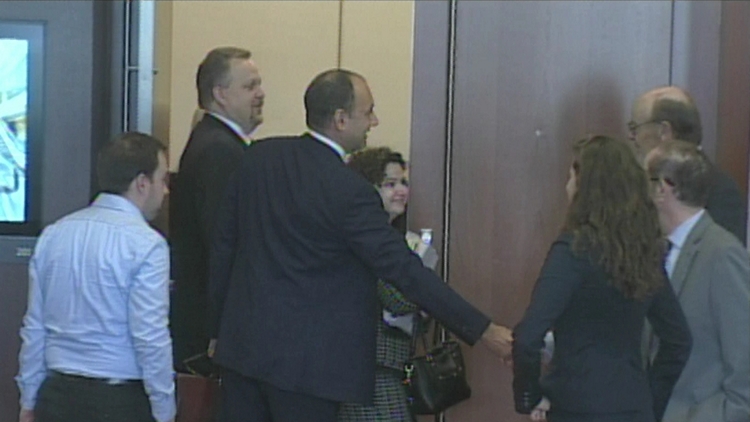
(663, 190)
(218, 94)
(666, 133)
(141, 183)
(340, 119)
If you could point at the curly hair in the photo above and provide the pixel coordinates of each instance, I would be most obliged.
(371, 163)
(612, 217)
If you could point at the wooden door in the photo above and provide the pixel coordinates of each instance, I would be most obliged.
(530, 78)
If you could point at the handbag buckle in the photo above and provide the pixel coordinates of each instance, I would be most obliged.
(408, 369)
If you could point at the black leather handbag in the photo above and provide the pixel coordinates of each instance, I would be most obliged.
(436, 380)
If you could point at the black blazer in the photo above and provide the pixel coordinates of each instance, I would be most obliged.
(300, 243)
(597, 365)
(727, 206)
(211, 155)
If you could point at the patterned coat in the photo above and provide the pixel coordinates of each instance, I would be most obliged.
(393, 348)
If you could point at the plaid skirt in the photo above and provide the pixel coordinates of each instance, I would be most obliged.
(389, 402)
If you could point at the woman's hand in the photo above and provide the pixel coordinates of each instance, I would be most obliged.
(540, 410)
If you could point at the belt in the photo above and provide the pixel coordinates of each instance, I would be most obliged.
(107, 381)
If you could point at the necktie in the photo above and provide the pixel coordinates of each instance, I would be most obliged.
(653, 341)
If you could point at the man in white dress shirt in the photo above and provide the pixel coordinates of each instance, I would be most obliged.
(96, 343)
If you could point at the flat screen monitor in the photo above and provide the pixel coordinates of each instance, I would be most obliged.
(21, 126)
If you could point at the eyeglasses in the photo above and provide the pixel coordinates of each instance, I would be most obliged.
(633, 126)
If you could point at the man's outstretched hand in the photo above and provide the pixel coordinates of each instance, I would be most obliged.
(499, 340)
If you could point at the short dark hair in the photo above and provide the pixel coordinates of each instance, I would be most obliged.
(329, 91)
(683, 116)
(214, 71)
(371, 163)
(684, 167)
(124, 158)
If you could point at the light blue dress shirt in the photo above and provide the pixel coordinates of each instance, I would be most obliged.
(677, 238)
(98, 303)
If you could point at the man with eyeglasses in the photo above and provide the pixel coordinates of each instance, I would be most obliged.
(669, 113)
(710, 273)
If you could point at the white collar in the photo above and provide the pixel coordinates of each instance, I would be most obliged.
(680, 234)
(118, 202)
(234, 126)
(334, 146)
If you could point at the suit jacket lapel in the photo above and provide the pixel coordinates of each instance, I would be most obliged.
(688, 254)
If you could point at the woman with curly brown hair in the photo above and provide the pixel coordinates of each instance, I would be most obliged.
(602, 278)
(386, 171)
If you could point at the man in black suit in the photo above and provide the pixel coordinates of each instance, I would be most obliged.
(669, 113)
(299, 244)
(230, 93)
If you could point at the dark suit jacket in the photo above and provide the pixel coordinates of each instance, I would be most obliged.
(597, 366)
(726, 205)
(300, 243)
(211, 155)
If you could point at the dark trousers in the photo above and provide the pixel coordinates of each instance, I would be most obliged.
(65, 398)
(562, 416)
(248, 400)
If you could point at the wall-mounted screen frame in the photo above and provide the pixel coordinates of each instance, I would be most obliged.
(21, 126)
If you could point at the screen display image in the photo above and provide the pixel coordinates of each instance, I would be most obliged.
(21, 126)
(14, 84)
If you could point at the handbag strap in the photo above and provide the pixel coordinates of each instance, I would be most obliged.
(419, 333)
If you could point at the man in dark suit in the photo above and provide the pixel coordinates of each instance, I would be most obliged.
(669, 113)
(230, 93)
(299, 244)
(710, 273)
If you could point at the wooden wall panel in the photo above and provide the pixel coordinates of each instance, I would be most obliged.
(531, 78)
(711, 59)
(695, 63)
(428, 129)
(733, 108)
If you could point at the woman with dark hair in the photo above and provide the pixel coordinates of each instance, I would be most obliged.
(386, 171)
(602, 278)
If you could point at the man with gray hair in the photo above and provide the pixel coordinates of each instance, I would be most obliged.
(669, 113)
(230, 94)
(710, 272)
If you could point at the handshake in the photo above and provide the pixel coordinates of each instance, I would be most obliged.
(499, 340)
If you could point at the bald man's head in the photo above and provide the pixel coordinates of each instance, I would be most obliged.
(662, 114)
